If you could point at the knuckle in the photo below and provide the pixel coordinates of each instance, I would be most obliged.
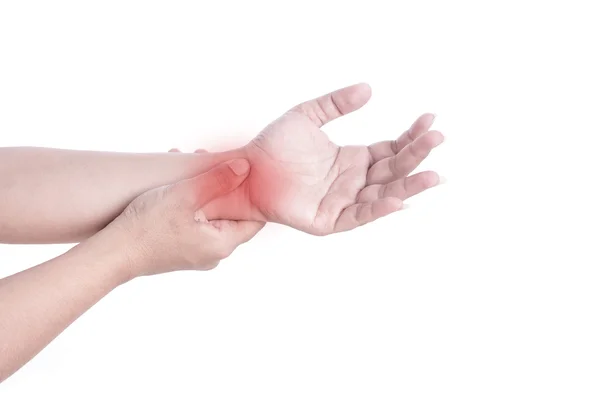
(140, 205)
(181, 192)
(397, 165)
(412, 149)
(211, 265)
(361, 213)
(132, 211)
(394, 146)
(405, 188)
(382, 191)
(421, 149)
(321, 111)
(315, 114)
(223, 251)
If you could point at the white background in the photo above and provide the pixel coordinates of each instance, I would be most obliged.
(485, 288)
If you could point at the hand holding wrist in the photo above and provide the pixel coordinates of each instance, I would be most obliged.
(166, 229)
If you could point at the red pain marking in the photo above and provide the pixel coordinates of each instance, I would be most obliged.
(265, 191)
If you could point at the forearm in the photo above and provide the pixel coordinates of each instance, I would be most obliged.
(62, 196)
(36, 305)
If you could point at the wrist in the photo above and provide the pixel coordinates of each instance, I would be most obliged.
(113, 253)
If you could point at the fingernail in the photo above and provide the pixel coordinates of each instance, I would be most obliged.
(442, 180)
(405, 206)
(239, 166)
(199, 216)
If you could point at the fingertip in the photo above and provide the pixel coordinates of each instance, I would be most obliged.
(256, 227)
(365, 88)
(243, 231)
(354, 97)
(219, 181)
(259, 224)
(253, 226)
(428, 179)
(422, 124)
(432, 117)
(429, 116)
(436, 138)
(239, 166)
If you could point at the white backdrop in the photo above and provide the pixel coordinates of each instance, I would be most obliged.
(485, 288)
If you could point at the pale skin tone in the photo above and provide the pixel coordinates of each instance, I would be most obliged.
(327, 188)
(54, 196)
(161, 231)
(331, 188)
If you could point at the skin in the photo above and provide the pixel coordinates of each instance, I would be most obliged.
(299, 178)
(65, 196)
(302, 179)
(291, 173)
(163, 230)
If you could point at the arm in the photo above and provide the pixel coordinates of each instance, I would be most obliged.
(299, 178)
(39, 303)
(162, 230)
(53, 196)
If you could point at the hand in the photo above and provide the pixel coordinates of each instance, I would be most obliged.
(302, 179)
(167, 230)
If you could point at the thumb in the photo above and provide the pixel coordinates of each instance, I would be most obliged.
(237, 232)
(219, 181)
(333, 105)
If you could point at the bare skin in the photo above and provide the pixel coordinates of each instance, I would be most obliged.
(52, 196)
(162, 230)
(291, 173)
(65, 196)
(325, 188)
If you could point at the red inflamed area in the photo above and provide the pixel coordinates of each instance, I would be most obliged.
(269, 189)
(265, 190)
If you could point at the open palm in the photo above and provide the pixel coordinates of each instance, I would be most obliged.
(302, 179)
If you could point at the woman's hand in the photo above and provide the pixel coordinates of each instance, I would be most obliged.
(302, 179)
(165, 228)
(160, 231)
